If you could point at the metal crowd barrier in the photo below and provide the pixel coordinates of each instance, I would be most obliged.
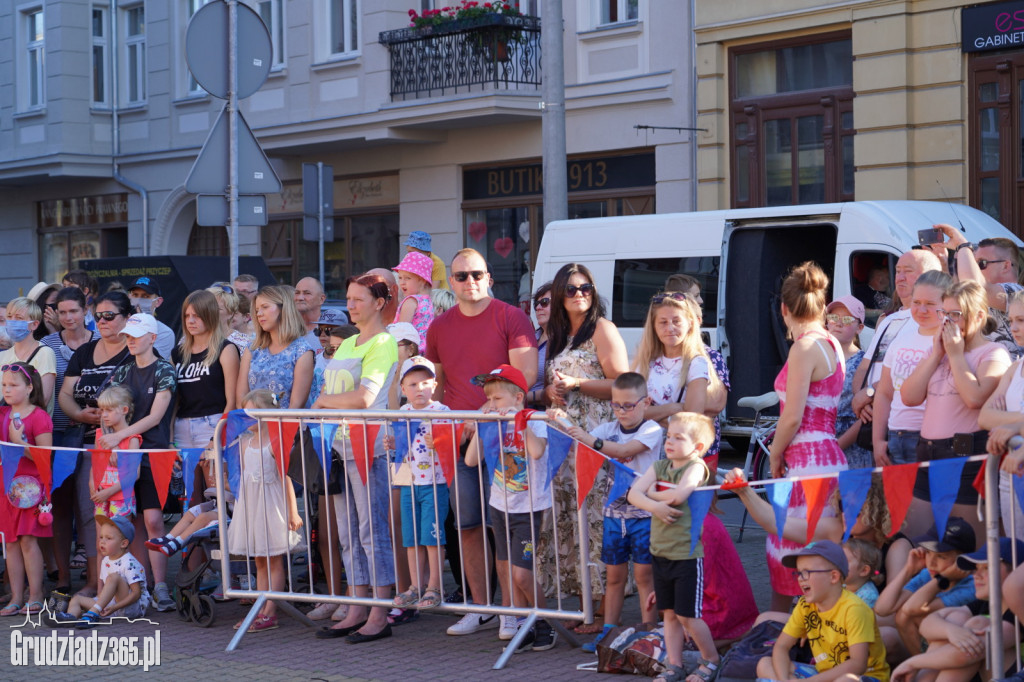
(364, 421)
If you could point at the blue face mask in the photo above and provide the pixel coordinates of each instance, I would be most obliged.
(17, 330)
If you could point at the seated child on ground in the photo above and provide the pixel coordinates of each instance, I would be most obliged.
(840, 628)
(865, 562)
(636, 443)
(956, 635)
(677, 564)
(518, 498)
(122, 585)
(929, 581)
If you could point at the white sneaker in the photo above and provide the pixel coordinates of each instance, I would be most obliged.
(508, 629)
(472, 622)
(321, 612)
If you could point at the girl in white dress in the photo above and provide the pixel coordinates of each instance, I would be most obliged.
(266, 515)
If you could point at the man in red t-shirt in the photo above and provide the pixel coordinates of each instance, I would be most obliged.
(473, 338)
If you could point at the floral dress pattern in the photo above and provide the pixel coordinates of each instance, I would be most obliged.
(276, 371)
(856, 456)
(588, 413)
(813, 450)
(423, 316)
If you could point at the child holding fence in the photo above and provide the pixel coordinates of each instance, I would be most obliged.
(636, 442)
(24, 421)
(266, 515)
(663, 491)
(518, 501)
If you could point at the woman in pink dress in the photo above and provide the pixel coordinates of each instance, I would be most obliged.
(809, 387)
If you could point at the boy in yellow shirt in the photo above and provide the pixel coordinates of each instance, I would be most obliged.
(840, 628)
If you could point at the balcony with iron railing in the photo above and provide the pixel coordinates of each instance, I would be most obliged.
(492, 53)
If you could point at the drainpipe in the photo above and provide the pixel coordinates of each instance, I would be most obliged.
(694, 139)
(115, 137)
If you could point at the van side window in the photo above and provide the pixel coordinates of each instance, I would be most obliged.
(638, 279)
(871, 281)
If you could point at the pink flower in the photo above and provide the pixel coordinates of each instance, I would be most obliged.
(412, 13)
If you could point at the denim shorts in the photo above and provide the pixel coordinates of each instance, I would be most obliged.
(625, 539)
(195, 432)
(422, 517)
(903, 446)
(802, 671)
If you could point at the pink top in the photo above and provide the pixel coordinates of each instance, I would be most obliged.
(423, 316)
(945, 413)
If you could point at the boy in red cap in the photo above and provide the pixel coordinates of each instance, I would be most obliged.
(518, 500)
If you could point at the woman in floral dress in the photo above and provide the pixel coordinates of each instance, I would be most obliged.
(586, 353)
(809, 387)
(279, 360)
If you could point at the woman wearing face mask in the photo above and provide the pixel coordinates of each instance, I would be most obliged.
(23, 318)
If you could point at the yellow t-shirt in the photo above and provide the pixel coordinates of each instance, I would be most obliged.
(831, 633)
(440, 272)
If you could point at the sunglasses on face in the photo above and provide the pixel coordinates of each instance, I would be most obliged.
(462, 276)
(585, 289)
(323, 331)
(542, 302)
(845, 320)
(51, 306)
(107, 316)
(18, 368)
(227, 289)
(984, 262)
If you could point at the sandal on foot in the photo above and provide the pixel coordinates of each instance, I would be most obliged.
(171, 547)
(12, 609)
(156, 543)
(262, 623)
(591, 628)
(709, 673)
(407, 599)
(672, 673)
(431, 597)
(31, 608)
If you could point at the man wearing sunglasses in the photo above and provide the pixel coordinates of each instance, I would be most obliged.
(992, 263)
(472, 338)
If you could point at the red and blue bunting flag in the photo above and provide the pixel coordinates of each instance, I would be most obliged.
(588, 465)
(128, 472)
(405, 433)
(161, 463)
(699, 502)
(64, 464)
(779, 493)
(559, 445)
(447, 438)
(489, 436)
(854, 485)
(899, 491)
(10, 457)
(816, 491)
(323, 440)
(944, 484)
(363, 436)
(189, 461)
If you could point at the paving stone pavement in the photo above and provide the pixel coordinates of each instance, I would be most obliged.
(418, 651)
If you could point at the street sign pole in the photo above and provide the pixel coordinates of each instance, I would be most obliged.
(233, 135)
(320, 215)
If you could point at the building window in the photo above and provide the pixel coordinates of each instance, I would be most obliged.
(343, 26)
(616, 11)
(792, 123)
(80, 228)
(100, 61)
(34, 72)
(134, 61)
(191, 7)
(272, 14)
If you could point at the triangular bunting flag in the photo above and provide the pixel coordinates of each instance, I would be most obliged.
(100, 458)
(282, 437)
(699, 502)
(815, 490)
(853, 489)
(363, 437)
(1018, 486)
(446, 444)
(405, 433)
(779, 493)
(490, 441)
(588, 464)
(189, 461)
(621, 482)
(559, 445)
(64, 464)
(522, 416)
(944, 484)
(323, 440)
(128, 472)
(162, 464)
(41, 456)
(899, 491)
(232, 459)
(10, 456)
(238, 422)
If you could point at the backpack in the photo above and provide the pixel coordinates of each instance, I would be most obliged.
(740, 662)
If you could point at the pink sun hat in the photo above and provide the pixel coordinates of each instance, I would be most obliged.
(419, 265)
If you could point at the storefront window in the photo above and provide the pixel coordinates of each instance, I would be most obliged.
(78, 229)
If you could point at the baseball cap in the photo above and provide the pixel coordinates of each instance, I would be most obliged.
(147, 284)
(404, 331)
(334, 317)
(122, 523)
(852, 304)
(417, 362)
(826, 549)
(418, 240)
(959, 537)
(969, 562)
(503, 373)
(139, 324)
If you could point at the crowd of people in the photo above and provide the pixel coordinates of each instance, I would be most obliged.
(97, 371)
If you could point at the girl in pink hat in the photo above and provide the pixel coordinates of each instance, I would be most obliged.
(414, 273)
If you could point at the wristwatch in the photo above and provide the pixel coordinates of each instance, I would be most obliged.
(870, 391)
(598, 444)
(970, 245)
(943, 582)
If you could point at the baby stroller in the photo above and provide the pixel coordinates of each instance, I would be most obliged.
(194, 599)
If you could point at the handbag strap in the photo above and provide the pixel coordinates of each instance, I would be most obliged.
(874, 356)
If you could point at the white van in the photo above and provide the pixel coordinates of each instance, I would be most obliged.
(740, 257)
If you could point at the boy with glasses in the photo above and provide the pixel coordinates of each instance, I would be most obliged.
(636, 443)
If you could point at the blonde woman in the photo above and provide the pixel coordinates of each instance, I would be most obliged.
(279, 359)
(676, 363)
(953, 383)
